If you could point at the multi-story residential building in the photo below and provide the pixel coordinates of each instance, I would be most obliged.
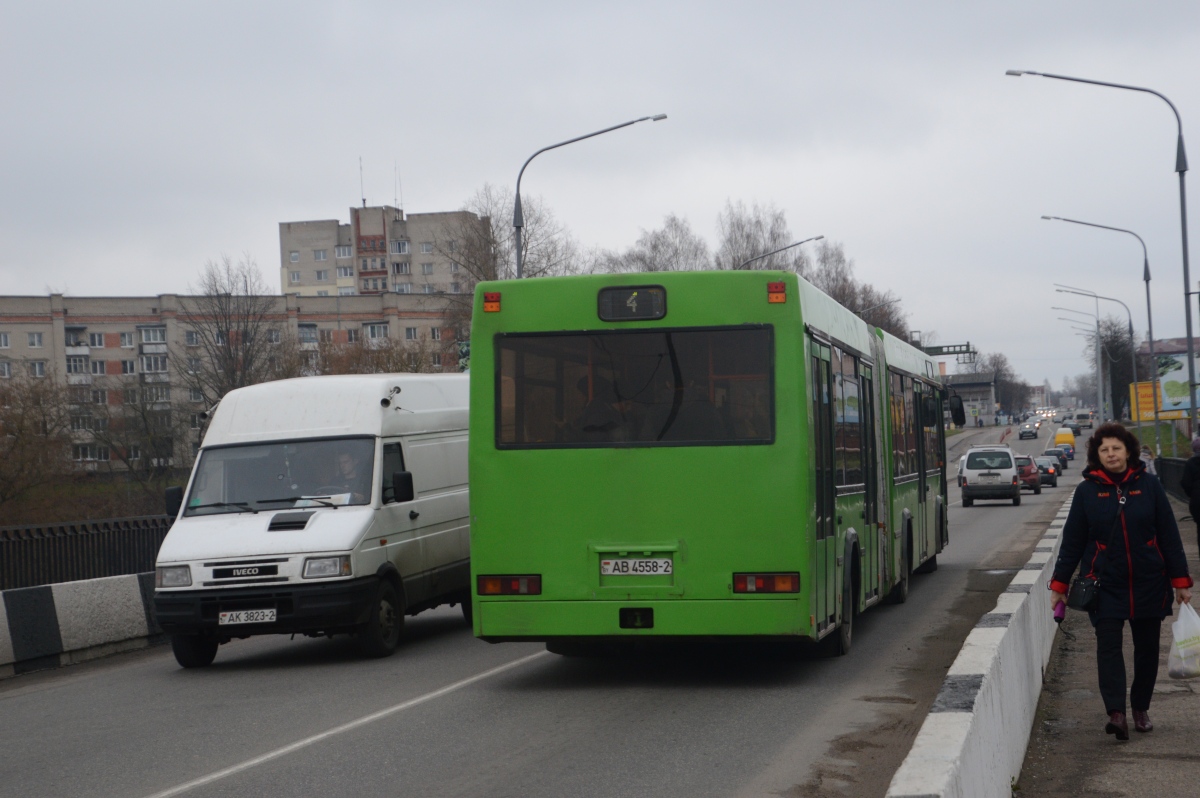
(115, 351)
(381, 250)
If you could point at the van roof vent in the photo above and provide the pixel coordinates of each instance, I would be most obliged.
(286, 522)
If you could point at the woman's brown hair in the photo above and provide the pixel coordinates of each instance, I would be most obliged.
(1112, 430)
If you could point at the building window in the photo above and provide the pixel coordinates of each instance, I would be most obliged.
(429, 289)
(294, 277)
(426, 268)
(195, 395)
(322, 275)
(195, 421)
(320, 254)
(453, 266)
(403, 288)
(455, 288)
(322, 293)
(96, 340)
(346, 290)
(436, 334)
(98, 367)
(127, 367)
(156, 393)
(345, 271)
(77, 364)
(399, 247)
(294, 256)
(193, 365)
(366, 284)
(342, 252)
(37, 368)
(191, 338)
(130, 396)
(273, 336)
(35, 340)
(154, 364)
(377, 331)
(410, 333)
(412, 360)
(89, 452)
(100, 397)
(126, 340)
(437, 360)
(326, 336)
(364, 264)
(352, 335)
(5, 369)
(154, 335)
(3, 340)
(308, 333)
(426, 248)
(401, 267)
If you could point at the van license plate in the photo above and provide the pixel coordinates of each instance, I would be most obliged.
(988, 478)
(247, 616)
(640, 566)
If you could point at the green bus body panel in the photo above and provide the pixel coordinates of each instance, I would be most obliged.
(715, 510)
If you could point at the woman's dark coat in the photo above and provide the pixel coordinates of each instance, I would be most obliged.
(1144, 559)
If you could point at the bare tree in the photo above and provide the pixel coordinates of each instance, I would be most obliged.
(35, 434)
(744, 233)
(232, 329)
(146, 434)
(674, 247)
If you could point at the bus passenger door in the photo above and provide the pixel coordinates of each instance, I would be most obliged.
(824, 568)
(924, 511)
(869, 539)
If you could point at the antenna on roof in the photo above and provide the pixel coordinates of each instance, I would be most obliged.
(361, 187)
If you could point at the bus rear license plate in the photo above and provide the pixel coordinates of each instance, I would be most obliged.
(247, 616)
(640, 566)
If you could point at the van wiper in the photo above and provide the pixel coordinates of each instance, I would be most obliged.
(245, 507)
(321, 500)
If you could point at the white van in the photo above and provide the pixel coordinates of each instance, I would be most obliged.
(319, 506)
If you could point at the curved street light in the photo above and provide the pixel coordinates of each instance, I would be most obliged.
(1099, 372)
(1181, 168)
(1149, 318)
(518, 217)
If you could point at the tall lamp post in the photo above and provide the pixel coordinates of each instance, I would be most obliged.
(1066, 289)
(518, 217)
(1099, 374)
(1149, 317)
(1180, 168)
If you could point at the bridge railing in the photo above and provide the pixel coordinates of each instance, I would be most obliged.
(45, 554)
(1170, 469)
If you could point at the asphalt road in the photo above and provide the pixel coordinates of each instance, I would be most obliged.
(450, 715)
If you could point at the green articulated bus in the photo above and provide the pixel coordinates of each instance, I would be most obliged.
(695, 455)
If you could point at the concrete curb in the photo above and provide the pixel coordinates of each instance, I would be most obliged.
(973, 741)
(53, 625)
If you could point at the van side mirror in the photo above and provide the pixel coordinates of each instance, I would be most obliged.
(402, 486)
(957, 413)
(174, 500)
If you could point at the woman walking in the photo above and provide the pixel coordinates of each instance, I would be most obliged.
(1122, 529)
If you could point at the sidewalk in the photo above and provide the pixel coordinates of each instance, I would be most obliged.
(1069, 753)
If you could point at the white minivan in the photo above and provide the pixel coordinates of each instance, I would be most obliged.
(320, 506)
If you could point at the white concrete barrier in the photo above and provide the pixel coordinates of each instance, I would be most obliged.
(973, 741)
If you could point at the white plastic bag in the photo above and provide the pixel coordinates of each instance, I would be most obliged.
(1184, 660)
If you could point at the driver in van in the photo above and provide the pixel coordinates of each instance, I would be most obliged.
(347, 477)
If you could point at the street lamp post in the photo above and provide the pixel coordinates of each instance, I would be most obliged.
(518, 217)
(1181, 169)
(777, 251)
(1137, 408)
(1099, 375)
(1149, 319)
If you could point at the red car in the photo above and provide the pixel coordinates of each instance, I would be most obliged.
(1028, 474)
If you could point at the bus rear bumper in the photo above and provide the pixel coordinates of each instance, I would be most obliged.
(541, 621)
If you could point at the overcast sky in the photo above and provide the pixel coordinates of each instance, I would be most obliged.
(142, 139)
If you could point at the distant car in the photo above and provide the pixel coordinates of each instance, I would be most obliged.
(1084, 419)
(1028, 431)
(1047, 470)
(1029, 475)
(1060, 454)
(1073, 425)
(990, 472)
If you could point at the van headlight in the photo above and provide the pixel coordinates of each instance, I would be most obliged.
(172, 576)
(323, 567)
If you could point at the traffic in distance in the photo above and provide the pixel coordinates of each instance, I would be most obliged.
(698, 455)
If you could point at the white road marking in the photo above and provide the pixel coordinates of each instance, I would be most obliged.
(345, 727)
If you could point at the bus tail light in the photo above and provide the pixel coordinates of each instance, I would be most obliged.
(776, 292)
(510, 585)
(766, 583)
(491, 301)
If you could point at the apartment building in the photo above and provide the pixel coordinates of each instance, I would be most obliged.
(381, 250)
(114, 351)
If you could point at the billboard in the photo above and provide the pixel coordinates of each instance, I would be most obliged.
(1172, 378)
(1141, 398)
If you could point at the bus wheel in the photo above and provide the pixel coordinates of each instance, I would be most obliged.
(838, 643)
(899, 593)
(381, 634)
(194, 651)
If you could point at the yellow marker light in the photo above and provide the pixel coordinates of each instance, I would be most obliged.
(776, 293)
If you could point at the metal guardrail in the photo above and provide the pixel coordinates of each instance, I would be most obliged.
(46, 554)
(1170, 469)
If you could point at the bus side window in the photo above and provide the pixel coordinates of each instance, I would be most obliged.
(393, 460)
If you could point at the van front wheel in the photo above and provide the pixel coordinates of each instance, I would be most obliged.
(194, 651)
(381, 633)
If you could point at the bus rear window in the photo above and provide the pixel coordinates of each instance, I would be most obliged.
(701, 387)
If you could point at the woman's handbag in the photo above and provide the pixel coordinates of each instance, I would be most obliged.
(1184, 660)
(1083, 593)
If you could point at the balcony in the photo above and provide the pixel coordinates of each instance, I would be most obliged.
(78, 351)
(157, 376)
(151, 349)
(79, 379)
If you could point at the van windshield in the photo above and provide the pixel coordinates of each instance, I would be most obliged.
(989, 460)
(331, 472)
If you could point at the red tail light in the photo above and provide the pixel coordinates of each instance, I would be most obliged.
(776, 292)
(766, 583)
(509, 585)
(491, 301)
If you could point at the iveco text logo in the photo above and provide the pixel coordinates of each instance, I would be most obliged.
(245, 572)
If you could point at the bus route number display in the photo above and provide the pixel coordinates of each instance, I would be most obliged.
(633, 303)
(640, 566)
